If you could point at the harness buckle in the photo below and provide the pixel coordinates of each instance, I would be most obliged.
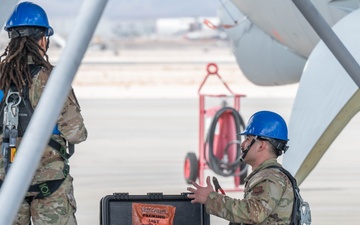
(62, 151)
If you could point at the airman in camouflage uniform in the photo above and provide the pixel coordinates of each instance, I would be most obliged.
(268, 195)
(59, 206)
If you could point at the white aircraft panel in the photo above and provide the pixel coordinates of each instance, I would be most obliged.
(327, 99)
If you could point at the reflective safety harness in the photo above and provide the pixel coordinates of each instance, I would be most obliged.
(301, 213)
(17, 111)
(10, 128)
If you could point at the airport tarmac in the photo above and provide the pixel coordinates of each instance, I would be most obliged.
(139, 145)
(142, 119)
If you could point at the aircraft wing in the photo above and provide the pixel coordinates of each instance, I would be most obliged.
(275, 45)
(326, 101)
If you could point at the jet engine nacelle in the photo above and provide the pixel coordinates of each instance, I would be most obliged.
(262, 59)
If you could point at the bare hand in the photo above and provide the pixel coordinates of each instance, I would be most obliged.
(200, 194)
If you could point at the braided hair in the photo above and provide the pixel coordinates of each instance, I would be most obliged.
(14, 67)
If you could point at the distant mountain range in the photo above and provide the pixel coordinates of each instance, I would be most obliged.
(137, 9)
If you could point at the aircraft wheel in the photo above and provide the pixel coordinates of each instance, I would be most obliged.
(191, 167)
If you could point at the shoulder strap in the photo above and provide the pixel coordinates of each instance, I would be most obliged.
(34, 69)
(287, 173)
(2, 106)
(295, 188)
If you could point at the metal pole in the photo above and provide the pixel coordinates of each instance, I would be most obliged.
(6, 8)
(329, 37)
(46, 113)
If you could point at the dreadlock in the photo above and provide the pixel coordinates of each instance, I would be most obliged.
(14, 68)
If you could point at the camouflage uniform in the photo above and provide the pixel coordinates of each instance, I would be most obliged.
(268, 199)
(60, 206)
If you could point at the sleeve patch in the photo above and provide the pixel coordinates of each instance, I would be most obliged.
(258, 190)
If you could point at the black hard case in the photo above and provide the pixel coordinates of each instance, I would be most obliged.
(116, 209)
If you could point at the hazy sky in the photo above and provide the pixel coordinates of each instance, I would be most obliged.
(133, 9)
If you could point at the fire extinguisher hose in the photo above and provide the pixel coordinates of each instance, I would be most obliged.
(221, 166)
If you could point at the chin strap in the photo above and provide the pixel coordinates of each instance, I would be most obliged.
(245, 152)
(47, 43)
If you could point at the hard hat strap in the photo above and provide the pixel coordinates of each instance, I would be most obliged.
(245, 152)
(278, 145)
(47, 43)
(25, 31)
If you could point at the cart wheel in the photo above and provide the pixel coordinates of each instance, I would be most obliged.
(191, 167)
(244, 172)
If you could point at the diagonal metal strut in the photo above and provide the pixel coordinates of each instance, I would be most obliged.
(329, 37)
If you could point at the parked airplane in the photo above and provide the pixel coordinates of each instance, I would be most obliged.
(275, 45)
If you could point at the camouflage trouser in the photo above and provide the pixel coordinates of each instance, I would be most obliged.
(58, 208)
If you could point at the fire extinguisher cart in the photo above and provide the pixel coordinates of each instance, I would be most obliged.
(219, 147)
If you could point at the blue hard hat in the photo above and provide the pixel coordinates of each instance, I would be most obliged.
(28, 14)
(268, 125)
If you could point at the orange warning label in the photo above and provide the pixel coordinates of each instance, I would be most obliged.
(152, 214)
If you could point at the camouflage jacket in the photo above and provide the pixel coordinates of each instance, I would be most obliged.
(71, 127)
(268, 199)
